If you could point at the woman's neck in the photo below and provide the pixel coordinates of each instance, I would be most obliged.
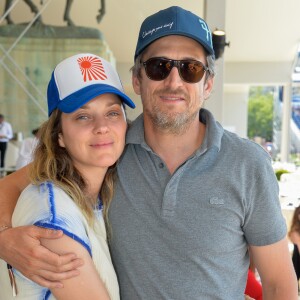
(93, 179)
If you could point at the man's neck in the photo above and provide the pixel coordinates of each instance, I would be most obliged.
(174, 149)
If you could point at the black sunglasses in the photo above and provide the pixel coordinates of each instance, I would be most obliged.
(159, 68)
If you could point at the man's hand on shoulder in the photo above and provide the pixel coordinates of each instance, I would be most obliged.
(21, 248)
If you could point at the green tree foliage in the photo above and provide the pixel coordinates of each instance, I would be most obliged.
(260, 114)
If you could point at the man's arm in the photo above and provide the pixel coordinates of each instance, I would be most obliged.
(11, 187)
(21, 246)
(276, 271)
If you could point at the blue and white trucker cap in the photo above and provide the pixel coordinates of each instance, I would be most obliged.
(173, 21)
(80, 78)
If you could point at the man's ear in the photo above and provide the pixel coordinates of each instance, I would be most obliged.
(208, 85)
(61, 140)
(136, 84)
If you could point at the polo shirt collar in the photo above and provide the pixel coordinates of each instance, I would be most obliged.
(135, 133)
(214, 131)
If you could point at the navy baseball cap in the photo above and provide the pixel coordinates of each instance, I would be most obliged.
(174, 21)
(80, 78)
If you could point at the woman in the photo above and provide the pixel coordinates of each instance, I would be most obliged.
(72, 177)
(294, 236)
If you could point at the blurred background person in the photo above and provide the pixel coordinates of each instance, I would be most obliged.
(253, 286)
(6, 134)
(294, 236)
(27, 149)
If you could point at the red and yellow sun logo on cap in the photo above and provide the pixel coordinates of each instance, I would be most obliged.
(91, 68)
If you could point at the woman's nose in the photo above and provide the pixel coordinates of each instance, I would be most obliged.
(101, 127)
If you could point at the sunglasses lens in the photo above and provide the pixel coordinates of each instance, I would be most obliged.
(191, 70)
(158, 68)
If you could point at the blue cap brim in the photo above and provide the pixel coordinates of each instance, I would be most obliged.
(81, 97)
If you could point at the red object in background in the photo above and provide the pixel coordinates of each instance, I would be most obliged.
(253, 287)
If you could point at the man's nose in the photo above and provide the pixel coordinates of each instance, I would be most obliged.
(174, 78)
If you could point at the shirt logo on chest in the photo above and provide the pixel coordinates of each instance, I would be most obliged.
(216, 201)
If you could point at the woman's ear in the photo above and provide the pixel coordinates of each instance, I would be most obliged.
(61, 140)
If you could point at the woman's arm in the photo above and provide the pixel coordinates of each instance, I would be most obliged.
(88, 285)
(21, 246)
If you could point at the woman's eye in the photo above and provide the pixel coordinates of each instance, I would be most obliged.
(113, 114)
(82, 117)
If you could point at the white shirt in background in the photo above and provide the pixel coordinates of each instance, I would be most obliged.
(26, 152)
(6, 130)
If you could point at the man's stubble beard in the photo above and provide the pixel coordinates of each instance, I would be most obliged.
(172, 123)
(176, 123)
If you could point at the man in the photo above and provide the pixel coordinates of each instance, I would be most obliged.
(191, 198)
(6, 134)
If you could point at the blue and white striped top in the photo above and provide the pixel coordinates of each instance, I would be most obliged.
(49, 206)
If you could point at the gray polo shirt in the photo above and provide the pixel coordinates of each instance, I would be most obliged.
(185, 236)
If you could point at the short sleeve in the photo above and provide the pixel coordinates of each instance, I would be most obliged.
(48, 206)
(264, 223)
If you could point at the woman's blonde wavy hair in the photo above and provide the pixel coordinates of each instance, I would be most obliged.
(53, 163)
